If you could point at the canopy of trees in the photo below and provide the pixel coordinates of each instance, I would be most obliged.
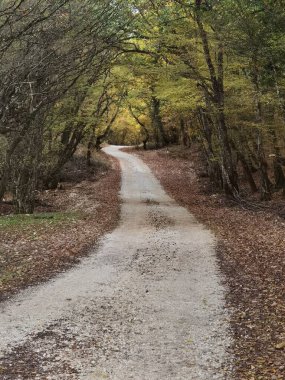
(130, 72)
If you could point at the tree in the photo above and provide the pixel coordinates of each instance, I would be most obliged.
(50, 47)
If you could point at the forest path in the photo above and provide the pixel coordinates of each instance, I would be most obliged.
(148, 304)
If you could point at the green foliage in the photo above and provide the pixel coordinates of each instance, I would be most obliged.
(125, 131)
(44, 219)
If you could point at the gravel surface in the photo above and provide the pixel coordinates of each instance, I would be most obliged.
(148, 304)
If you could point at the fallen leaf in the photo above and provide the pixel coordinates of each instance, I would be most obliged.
(280, 346)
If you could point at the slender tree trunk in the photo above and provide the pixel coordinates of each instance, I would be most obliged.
(214, 168)
(51, 178)
(278, 171)
(25, 190)
(90, 146)
(143, 127)
(278, 175)
(229, 172)
(265, 184)
(89, 153)
(4, 180)
(216, 74)
(26, 174)
(246, 167)
(7, 164)
(105, 134)
(184, 135)
(157, 122)
(247, 172)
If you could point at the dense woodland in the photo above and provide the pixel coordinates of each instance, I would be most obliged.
(206, 72)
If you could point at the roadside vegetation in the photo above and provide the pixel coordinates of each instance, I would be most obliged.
(67, 223)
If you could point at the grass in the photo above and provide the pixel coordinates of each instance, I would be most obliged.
(7, 276)
(15, 221)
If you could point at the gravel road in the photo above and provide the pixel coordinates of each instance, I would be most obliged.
(147, 304)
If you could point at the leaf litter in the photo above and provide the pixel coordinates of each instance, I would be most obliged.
(67, 223)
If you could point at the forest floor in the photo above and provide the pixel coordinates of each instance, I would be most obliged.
(251, 253)
(67, 222)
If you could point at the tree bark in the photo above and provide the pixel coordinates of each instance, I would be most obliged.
(101, 137)
(265, 184)
(278, 171)
(247, 172)
(185, 139)
(229, 174)
(143, 126)
(157, 122)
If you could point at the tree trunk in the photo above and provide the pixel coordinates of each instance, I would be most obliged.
(157, 122)
(7, 164)
(51, 178)
(4, 181)
(229, 173)
(25, 191)
(214, 168)
(265, 184)
(105, 134)
(247, 172)
(184, 135)
(89, 153)
(215, 95)
(278, 171)
(26, 172)
(90, 146)
(278, 175)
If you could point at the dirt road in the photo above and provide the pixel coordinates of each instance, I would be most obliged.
(148, 304)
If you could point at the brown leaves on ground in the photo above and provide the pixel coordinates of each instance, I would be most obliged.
(33, 249)
(252, 258)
